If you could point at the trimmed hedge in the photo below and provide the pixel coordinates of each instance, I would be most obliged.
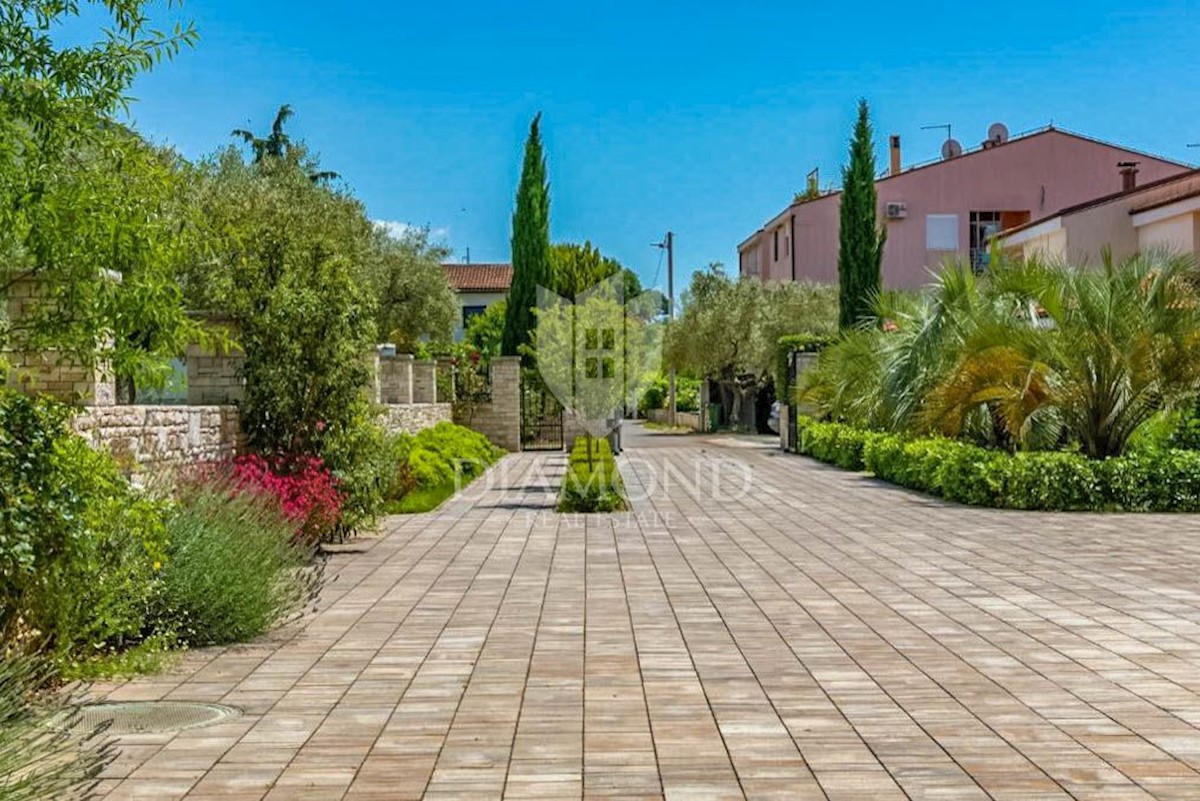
(599, 489)
(804, 343)
(1162, 481)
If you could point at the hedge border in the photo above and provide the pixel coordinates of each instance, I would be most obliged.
(1162, 481)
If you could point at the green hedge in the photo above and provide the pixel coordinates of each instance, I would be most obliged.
(1161, 481)
(805, 343)
(592, 485)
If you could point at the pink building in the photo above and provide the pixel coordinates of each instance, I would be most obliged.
(950, 208)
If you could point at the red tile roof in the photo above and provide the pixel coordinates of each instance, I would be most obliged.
(479, 277)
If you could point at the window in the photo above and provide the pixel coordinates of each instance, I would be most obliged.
(941, 232)
(775, 237)
(472, 311)
(983, 224)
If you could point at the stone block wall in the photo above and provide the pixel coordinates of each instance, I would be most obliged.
(214, 378)
(50, 373)
(162, 436)
(414, 417)
(500, 419)
(689, 419)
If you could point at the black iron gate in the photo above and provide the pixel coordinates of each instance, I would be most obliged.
(541, 418)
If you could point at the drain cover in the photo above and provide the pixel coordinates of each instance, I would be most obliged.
(144, 717)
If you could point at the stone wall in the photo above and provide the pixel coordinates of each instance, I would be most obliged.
(414, 417)
(689, 419)
(499, 419)
(162, 436)
(214, 378)
(51, 373)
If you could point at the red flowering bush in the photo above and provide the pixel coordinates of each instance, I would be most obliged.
(307, 493)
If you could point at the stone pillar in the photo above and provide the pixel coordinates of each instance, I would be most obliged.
(424, 381)
(506, 401)
(396, 379)
(804, 363)
(445, 380)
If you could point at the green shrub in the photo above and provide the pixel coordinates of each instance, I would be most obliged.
(656, 394)
(233, 567)
(591, 485)
(1186, 435)
(39, 757)
(79, 548)
(360, 455)
(427, 467)
(1166, 480)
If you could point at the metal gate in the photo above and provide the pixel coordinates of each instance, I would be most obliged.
(541, 418)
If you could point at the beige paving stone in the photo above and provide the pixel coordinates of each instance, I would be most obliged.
(758, 626)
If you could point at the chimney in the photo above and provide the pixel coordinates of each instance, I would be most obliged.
(1129, 173)
(895, 148)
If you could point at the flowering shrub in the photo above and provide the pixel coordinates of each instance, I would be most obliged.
(308, 494)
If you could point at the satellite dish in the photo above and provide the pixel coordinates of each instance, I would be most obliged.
(998, 133)
(951, 149)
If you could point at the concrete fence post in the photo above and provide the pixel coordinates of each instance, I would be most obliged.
(396, 379)
(424, 381)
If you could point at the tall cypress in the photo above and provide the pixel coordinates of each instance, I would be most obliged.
(860, 242)
(530, 245)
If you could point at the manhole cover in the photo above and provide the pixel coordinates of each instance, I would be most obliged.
(143, 717)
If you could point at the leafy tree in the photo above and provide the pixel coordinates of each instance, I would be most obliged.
(728, 330)
(860, 243)
(485, 331)
(530, 245)
(577, 268)
(286, 258)
(593, 354)
(81, 198)
(414, 299)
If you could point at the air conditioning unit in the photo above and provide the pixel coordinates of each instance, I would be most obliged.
(895, 211)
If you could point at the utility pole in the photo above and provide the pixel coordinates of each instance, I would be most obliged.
(670, 320)
(668, 244)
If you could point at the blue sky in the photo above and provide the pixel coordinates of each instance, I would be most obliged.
(700, 117)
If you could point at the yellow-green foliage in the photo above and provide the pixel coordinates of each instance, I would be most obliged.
(435, 460)
(592, 484)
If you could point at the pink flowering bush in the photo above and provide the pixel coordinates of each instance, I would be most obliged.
(308, 494)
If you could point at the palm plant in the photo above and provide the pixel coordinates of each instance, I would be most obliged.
(1095, 351)
(278, 144)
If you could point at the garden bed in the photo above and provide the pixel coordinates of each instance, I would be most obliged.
(592, 483)
(434, 464)
(1166, 480)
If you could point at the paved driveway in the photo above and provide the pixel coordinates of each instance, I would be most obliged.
(760, 626)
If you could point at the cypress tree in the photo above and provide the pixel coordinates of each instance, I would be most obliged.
(530, 245)
(860, 243)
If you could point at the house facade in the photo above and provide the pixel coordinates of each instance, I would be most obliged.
(477, 286)
(1162, 214)
(951, 208)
